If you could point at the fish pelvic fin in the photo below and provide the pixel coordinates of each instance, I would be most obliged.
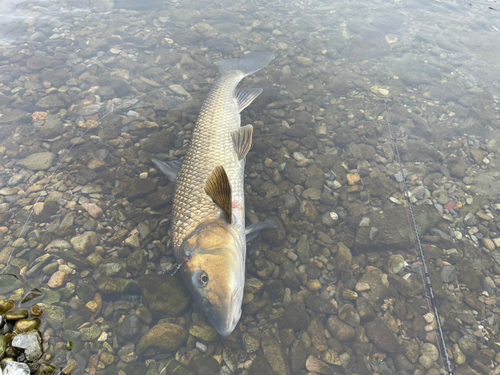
(242, 140)
(245, 97)
(219, 189)
(248, 64)
(169, 168)
(253, 230)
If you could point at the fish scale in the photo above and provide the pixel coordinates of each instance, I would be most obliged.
(211, 145)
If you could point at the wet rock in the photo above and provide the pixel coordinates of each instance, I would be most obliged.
(467, 345)
(428, 355)
(467, 275)
(340, 330)
(161, 197)
(93, 209)
(298, 357)
(38, 162)
(205, 366)
(204, 332)
(401, 285)
(9, 283)
(90, 333)
(317, 304)
(349, 315)
(166, 295)
(377, 288)
(289, 275)
(318, 366)
(447, 91)
(274, 353)
(164, 337)
(138, 187)
(113, 267)
(392, 228)
(85, 243)
(295, 317)
(130, 327)
(58, 279)
(112, 285)
(250, 343)
(16, 368)
(343, 260)
(50, 101)
(54, 315)
(411, 350)
(160, 142)
(382, 336)
(31, 342)
(136, 261)
(303, 249)
(395, 263)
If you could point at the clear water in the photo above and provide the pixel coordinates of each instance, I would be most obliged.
(97, 88)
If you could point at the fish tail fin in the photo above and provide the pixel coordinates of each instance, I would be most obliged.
(248, 64)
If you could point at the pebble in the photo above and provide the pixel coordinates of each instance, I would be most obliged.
(58, 279)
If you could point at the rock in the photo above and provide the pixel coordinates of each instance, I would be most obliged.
(138, 187)
(343, 260)
(382, 336)
(129, 327)
(8, 283)
(467, 345)
(401, 285)
(112, 285)
(93, 209)
(303, 249)
(295, 317)
(90, 333)
(318, 366)
(160, 142)
(395, 263)
(411, 350)
(85, 292)
(349, 315)
(250, 343)
(274, 353)
(338, 329)
(31, 342)
(377, 288)
(164, 337)
(429, 354)
(85, 243)
(205, 366)
(317, 304)
(16, 368)
(50, 101)
(204, 332)
(166, 295)
(113, 267)
(392, 228)
(58, 279)
(38, 162)
(54, 315)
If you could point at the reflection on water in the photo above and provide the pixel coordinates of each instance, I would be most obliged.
(90, 91)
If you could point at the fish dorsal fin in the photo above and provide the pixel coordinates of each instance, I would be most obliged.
(242, 140)
(245, 97)
(219, 189)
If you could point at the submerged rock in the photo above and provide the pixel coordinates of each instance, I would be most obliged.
(164, 337)
(166, 295)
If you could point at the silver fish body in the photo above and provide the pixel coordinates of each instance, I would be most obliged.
(208, 230)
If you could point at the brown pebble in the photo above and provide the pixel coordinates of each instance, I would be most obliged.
(24, 325)
(16, 314)
(6, 305)
(58, 279)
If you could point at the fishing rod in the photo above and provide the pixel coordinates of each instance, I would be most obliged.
(422, 256)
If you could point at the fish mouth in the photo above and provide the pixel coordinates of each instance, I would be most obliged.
(232, 318)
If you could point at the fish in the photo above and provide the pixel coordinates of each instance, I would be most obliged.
(208, 213)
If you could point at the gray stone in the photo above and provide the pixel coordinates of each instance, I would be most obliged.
(85, 243)
(38, 162)
(16, 368)
(31, 342)
(382, 336)
(448, 274)
(303, 249)
(392, 228)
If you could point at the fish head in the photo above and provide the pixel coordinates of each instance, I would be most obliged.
(215, 273)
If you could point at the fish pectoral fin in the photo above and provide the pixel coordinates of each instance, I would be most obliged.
(169, 168)
(219, 189)
(245, 97)
(253, 230)
(242, 140)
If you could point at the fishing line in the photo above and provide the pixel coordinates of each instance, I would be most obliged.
(432, 298)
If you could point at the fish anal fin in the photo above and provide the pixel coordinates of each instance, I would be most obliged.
(219, 189)
(242, 140)
(245, 97)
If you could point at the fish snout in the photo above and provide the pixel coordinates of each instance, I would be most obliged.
(228, 322)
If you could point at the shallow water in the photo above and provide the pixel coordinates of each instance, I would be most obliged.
(90, 91)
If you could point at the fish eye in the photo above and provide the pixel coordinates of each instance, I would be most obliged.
(201, 278)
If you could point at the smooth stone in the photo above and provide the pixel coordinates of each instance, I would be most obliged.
(85, 243)
(203, 332)
(164, 337)
(16, 314)
(39, 162)
(274, 353)
(165, 294)
(54, 315)
(16, 368)
(31, 342)
(6, 305)
(24, 325)
(382, 336)
(90, 333)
